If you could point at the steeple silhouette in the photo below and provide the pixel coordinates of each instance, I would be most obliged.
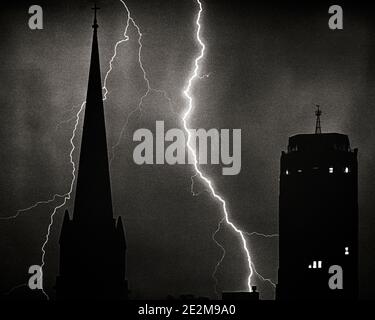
(93, 194)
(92, 245)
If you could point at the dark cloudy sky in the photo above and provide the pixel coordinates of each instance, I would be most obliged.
(269, 65)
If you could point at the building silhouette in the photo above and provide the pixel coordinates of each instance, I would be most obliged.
(241, 295)
(92, 244)
(318, 216)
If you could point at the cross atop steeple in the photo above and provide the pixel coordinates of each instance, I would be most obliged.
(95, 25)
(318, 113)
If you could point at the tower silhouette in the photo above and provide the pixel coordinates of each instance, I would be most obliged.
(92, 244)
(318, 217)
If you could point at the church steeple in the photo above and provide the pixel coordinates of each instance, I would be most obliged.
(91, 243)
(93, 194)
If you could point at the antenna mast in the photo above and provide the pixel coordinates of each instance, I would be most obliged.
(318, 113)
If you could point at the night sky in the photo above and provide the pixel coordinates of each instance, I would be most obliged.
(268, 66)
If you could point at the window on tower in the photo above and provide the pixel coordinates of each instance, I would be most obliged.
(330, 169)
(346, 170)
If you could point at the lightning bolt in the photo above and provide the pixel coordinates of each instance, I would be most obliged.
(263, 278)
(149, 88)
(221, 258)
(105, 94)
(204, 76)
(34, 206)
(69, 119)
(255, 233)
(68, 195)
(187, 93)
(14, 288)
(65, 197)
(216, 281)
(198, 173)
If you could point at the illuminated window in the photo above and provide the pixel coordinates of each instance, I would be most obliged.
(299, 170)
(330, 169)
(346, 251)
(287, 172)
(346, 170)
(316, 265)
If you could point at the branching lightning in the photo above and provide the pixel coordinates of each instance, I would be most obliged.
(255, 233)
(185, 118)
(221, 258)
(146, 79)
(198, 173)
(105, 94)
(34, 206)
(14, 288)
(149, 90)
(67, 197)
(263, 278)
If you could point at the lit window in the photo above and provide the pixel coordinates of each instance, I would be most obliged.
(346, 170)
(287, 172)
(331, 170)
(316, 265)
(299, 170)
(346, 251)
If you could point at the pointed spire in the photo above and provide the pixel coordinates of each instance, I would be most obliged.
(95, 25)
(318, 113)
(93, 201)
(92, 236)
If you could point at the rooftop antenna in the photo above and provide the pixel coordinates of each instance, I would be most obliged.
(318, 113)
